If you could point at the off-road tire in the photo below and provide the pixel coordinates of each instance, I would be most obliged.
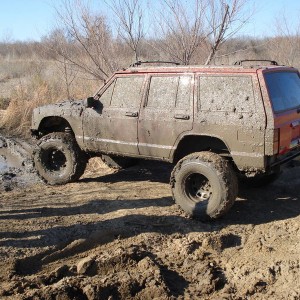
(118, 162)
(204, 185)
(58, 159)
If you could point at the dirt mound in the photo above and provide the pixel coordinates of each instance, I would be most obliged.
(158, 266)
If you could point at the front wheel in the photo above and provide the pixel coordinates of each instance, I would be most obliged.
(58, 159)
(204, 185)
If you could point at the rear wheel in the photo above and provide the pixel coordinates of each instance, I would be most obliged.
(58, 159)
(204, 185)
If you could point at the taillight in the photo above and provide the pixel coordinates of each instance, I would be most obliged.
(276, 141)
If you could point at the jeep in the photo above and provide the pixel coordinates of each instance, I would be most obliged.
(214, 123)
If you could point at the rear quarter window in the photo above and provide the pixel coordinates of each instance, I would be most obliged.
(284, 90)
(226, 93)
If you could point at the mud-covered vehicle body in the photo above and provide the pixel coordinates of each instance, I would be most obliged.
(213, 123)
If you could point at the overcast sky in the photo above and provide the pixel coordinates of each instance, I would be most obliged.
(31, 19)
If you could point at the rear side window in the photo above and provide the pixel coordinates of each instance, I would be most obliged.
(226, 93)
(167, 92)
(284, 90)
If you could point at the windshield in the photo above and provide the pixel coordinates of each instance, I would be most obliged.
(284, 90)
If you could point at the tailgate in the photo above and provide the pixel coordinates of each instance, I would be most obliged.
(284, 93)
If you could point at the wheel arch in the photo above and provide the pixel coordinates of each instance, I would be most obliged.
(53, 124)
(196, 143)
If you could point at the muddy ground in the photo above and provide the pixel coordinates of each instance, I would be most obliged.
(118, 235)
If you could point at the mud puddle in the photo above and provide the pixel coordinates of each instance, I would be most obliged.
(3, 164)
(16, 169)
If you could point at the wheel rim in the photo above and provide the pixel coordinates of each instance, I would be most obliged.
(197, 187)
(54, 159)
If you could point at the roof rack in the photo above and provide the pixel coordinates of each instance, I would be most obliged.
(240, 62)
(138, 63)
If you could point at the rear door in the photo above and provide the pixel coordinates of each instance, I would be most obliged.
(166, 114)
(284, 92)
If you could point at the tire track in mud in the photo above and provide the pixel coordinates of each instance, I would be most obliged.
(119, 235)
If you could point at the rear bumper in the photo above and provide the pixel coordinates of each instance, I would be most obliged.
(282, 159)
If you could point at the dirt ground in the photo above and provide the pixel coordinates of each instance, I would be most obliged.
(118, 235)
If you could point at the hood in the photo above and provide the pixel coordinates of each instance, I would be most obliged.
(62, 107)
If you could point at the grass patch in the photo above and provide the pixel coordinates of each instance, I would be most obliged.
(18, 68)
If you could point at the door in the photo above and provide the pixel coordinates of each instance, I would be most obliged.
(112, 126)
(166, 114)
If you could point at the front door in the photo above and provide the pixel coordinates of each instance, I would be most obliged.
(112, 126)
(167, 114)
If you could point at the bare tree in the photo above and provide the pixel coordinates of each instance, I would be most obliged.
(241, 48)
(7, 43)
(224, 21)
(69, 75)
(285, 46)
(83, 39)
(190, 28)
(181, 28)
(130, 26)
(7, 36)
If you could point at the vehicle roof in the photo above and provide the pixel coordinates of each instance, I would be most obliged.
(199, 68)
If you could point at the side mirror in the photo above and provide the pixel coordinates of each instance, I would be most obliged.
(90, 102)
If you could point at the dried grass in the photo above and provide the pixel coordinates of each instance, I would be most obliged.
(18, 68)
(4, 102)
(95, 166)
(40, 88)
(24, 99)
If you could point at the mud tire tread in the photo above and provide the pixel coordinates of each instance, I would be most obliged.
(77, 159)
(225, 174)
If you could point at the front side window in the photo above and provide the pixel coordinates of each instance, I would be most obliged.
(284, 90)
(124, 92)
(105, 98)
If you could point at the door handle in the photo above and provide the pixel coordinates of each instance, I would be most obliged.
(131, 114)
(182, 117)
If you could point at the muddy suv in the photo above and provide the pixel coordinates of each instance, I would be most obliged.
(214, 124)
